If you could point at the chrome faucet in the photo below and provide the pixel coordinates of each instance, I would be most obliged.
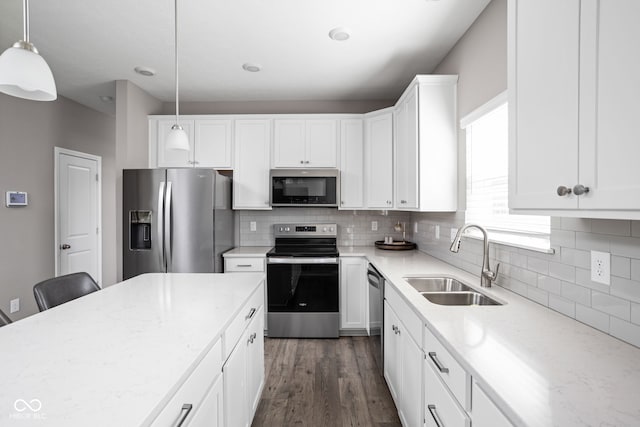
(486, 275)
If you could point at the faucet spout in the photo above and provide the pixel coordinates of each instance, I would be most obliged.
(487, 276)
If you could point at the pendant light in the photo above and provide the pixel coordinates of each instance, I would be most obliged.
(23, 72)
(177, 138)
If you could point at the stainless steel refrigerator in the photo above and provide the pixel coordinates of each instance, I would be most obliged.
(175, 220)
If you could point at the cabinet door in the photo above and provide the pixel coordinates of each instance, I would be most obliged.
(379, 161)
(211, 410)
(406, 153)
(321, 144)
(251, 174)
(174, 158)
(351, 164)
(391, 352)
(544, 58)
(609, 107)
(411, 380)
(485, 413)
(289, 144)
(255, 362)
(213, 144)
(353, 293)
(234, 374)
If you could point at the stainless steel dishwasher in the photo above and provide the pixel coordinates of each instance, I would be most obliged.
(376, 315)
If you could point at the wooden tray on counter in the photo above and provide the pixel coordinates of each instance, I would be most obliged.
(395, 246)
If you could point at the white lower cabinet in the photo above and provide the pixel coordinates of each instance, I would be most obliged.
(403, 366)
(353, 294)
(485, 413)
(441, 408)
(211, 413)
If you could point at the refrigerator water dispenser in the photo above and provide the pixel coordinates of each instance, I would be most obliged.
(140, 230)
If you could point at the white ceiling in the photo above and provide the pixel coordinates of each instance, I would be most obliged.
(91, 43)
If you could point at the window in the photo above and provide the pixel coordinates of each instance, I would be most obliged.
(487, 130)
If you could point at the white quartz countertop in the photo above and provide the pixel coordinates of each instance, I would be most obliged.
(247, 251)
(115, 357)
(540, 367)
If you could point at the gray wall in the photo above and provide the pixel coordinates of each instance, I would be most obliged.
(133, 105)
(29, 131)
(560, 281)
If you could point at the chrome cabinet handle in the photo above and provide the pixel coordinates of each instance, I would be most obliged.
(65, 246)
(434, 415)
(580, 189)
(251, 338)
(244, 265)
(434, 358)
(250, 315)
(186, 409)
(563, 191)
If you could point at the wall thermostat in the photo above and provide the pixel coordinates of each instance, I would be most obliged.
(17, 198)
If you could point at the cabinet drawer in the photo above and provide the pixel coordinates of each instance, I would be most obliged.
(242, 320)
(405, 314)
(243, 264)
(193, 390)
(448, 369)
(441, 408)
(485, 413)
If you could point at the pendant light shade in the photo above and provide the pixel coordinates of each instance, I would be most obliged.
(177, 139)
(23, 72)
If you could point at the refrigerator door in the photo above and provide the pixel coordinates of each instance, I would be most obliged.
(142, 202)
(223, 221)
(189, 221)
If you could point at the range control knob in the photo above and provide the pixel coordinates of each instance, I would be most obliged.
(331, 229)
(324, 229)
(287, 229)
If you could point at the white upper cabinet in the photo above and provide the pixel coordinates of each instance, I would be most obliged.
(573, 98)
(351, 164)
(251, 174)
(379, 159)
(426, 145)
(311, 143)
(210, 143)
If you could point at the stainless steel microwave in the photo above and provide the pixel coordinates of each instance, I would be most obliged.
(305, 187)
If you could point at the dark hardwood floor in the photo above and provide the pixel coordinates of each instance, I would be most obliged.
(324, 383)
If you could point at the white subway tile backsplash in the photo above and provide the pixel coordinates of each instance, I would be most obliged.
(635, 313)
(576, 257)
(621, 267)
(550, 284)
(525, 276)
(556, 222)
(538, 265)
(611, 226)
(593, 242)
(562, 271)
(626, 246)
(583, 278)
(517, 286)
(635, 269)
(564, 238)
(538, 295)
(591, 317)
(576, 293)
(576, 224)
(562, 305)
(624, 288)
(635, 228)
(611, 305)
(625, 331)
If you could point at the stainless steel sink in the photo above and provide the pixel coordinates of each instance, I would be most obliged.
(437, 284)
(449, 291)
(459, 298)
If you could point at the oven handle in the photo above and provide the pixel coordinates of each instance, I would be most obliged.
(302, 260)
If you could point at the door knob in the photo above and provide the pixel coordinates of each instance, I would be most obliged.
(563, 191)
(65, 246)
(580, 189)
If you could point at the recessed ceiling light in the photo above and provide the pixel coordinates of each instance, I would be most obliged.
(106, 98)
(252, 68)
(145, 71)
(339, 34)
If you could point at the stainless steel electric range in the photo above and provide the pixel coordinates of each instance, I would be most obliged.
(303, 282)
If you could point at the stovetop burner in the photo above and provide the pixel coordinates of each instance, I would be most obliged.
(305, 240)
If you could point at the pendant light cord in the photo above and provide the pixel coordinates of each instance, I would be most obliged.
(176, 48)
(25, 18)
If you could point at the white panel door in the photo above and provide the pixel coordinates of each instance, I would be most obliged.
(353, 293)
(392, 352)
(213, 144)
(379, 161)
(610, 94)
(351, 164)
(410, 200)
(411, 380)
(210, 412)
(174, 158)
(544, 37)
(251, 174)
(234, 374)
(289, 144)
(78, 215)
(254, 340)
(321, 144)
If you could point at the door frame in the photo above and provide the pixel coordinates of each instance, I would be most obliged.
(58, 151)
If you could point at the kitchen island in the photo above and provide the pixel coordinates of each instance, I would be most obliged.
(118, 357)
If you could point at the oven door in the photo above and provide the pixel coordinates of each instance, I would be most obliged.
(302, 285)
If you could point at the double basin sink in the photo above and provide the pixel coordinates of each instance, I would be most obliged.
(449, 291)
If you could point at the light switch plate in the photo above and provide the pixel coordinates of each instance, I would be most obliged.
(252, 226)
(601, 267)
(437, 232)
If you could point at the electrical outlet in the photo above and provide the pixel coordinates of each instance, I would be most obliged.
(454, 231)
(437, 232)
(15, 305)
(601, 267)
(252, 226)
(374, 225)
(415, 227)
